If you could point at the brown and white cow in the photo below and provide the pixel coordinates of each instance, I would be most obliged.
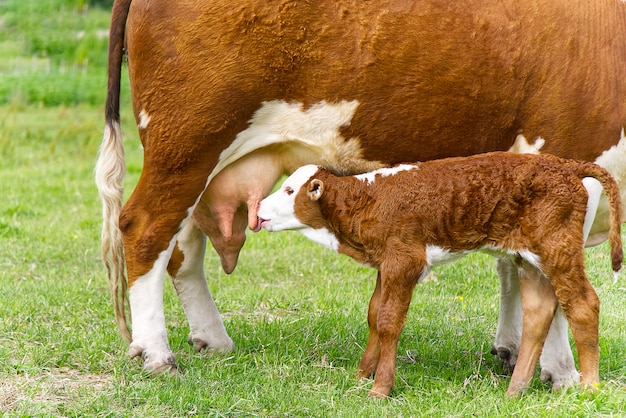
(404, 219)
(228, 96)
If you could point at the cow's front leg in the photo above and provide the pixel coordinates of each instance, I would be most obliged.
(148, 318)
(557, 361)
(186, 267)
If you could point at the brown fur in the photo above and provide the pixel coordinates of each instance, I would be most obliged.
(511, 202)
(433, 78)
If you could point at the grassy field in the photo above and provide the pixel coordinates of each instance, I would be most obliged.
(296, 311)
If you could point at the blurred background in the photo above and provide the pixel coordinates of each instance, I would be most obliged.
(53, 52)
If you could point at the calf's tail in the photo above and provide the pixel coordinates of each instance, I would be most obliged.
(611, 189)
(110, 171)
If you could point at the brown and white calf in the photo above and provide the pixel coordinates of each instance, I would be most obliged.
(405, 219)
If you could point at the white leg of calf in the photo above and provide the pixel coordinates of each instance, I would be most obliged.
(509, 332)
(557, 361)
(148, 318)
(207, 331)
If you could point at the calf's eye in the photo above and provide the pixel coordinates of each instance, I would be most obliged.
(289, 191)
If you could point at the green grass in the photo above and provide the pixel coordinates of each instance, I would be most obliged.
(296, 311)
(53, 52)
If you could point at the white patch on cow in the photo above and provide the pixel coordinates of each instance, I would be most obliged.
(146, 303)
(369, 177)
(144, 119)
(312, 135)
(614, 159)
(276, 212)
(522, 146)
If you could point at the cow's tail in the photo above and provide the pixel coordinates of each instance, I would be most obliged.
(110, 172)
(611, 189)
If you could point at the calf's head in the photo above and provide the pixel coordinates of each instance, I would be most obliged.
(295, 206)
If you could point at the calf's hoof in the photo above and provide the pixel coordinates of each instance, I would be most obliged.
(516, 389)
(591, 387)
(507, 356)
(363, 375)
(379, 392)
(211, 345)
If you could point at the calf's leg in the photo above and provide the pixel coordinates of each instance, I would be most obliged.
(539, 304)
(581, 307)
(396, 291)
(369, 361)
(557, 361)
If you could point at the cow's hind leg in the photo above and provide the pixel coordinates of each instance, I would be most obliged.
(186, 267)
(539, 304)
(509, 332)
(557, 360)
(369, 361)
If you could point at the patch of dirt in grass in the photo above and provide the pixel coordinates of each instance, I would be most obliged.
(57, 386)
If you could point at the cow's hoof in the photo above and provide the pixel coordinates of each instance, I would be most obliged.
(135, 351)
(560, 379)
(211, 345)
(154, 364)
(509, 359)
(161, 369)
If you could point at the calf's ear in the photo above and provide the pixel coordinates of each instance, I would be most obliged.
(316, 188)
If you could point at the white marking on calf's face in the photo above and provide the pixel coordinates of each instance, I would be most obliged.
(369, 177)
(276, 212)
